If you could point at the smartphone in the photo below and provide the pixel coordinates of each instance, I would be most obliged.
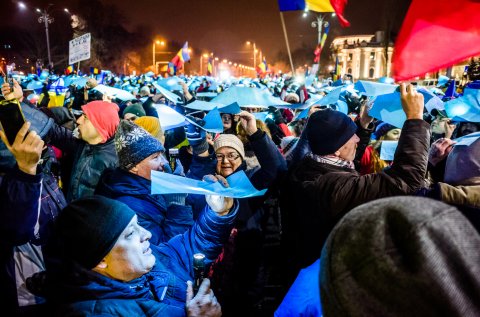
(11, 119)
(173, 155)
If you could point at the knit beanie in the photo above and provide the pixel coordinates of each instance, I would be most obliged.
(328, 130)
(135, 109)
(383, 129)
(401, 256)
(133, 144)
(151, 125)
(88, 228)
(463, 165)
(229, 140)
(104, 117)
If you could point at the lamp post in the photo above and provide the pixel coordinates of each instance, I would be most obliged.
(254, 53)
(46, 19)
(201, 62)
(162, 43)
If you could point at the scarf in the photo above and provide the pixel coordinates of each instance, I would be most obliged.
(332, 160)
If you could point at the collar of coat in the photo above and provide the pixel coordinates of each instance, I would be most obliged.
(332, 160)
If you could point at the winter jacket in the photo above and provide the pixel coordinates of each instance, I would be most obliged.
(89, 161)
(154, 213)
(317, 195)
(239, 278)
(161, 292)
(29, 203)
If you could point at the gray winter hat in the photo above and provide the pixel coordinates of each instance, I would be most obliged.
(133, 144)
(401, 256)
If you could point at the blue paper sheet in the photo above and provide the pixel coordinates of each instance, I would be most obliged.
(169, 95)
(248, 97)
(203, 105)
(240, 186)
(467, 139)
(168, 117)
(387, 150)
(233, 108)
(370, 88)
(465, 108)
(388, 108)
(262, 116)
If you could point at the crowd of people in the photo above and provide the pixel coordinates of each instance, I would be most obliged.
(342, 230)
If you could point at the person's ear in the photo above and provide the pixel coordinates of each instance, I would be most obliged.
(102, 265)
(134, 170)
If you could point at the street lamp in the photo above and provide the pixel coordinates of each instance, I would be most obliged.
(254, 53)
(319, 23)
(201, 62)
(161, 43)
(46, 19)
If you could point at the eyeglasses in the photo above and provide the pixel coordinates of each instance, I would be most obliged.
(230, 156)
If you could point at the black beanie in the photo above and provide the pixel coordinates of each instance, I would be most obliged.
(401, 256)
(89, 228)
(328, 130)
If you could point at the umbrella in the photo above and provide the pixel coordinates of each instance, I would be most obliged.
(115, 92)
(248, 97)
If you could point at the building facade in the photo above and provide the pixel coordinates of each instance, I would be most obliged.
(363, 56)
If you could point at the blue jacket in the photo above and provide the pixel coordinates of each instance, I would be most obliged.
(163, 220)
(161, 292)
(29, 203)
(89, 160)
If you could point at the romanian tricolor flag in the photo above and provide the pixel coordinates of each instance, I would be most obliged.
(69, 70)
(337, 6)
(338, 70)
(321, 45)
(262, 67)
(210, 67)
(181, 57)
(171, 69)
(94, 71)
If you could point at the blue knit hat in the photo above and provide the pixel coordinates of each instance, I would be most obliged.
(133, 144)
(328, 130)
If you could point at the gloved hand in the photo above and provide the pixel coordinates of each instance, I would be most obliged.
(179, 171)
(219, 204)
(196, 136)
(175, 199)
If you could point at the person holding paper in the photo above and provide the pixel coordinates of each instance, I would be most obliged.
(240, 274)
(371, 161)
(139, 154)
(102, 263)
(325, 186)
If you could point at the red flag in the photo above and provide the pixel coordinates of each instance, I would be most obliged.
(339, 7)
(436, 34)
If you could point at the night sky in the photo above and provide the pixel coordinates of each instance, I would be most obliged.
(224, 26)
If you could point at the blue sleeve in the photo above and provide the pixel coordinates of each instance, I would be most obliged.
(207, 236)
(179, 219)
(298, 152)
(271, 160)
(20, 197)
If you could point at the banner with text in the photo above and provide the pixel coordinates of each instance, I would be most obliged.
(79, 49)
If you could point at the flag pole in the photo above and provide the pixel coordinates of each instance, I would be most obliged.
(286, 41)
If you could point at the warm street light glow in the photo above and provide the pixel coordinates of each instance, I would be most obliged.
(189, 50)
(333, 14)
(216, 58)
(158, 42)
(38, 10)
(248, 43)
(205, 55)
(21, 5)
(304, 14)
(229, 63)
(235, 64)
(66, 10)
(225, 61)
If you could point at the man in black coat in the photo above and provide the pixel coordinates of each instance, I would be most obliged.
(324, 186)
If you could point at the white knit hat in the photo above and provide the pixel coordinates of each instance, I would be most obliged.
(229, 140)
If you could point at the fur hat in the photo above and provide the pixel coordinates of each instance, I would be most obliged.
(229, 140)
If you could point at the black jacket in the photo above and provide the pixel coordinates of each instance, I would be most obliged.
(316, 195)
